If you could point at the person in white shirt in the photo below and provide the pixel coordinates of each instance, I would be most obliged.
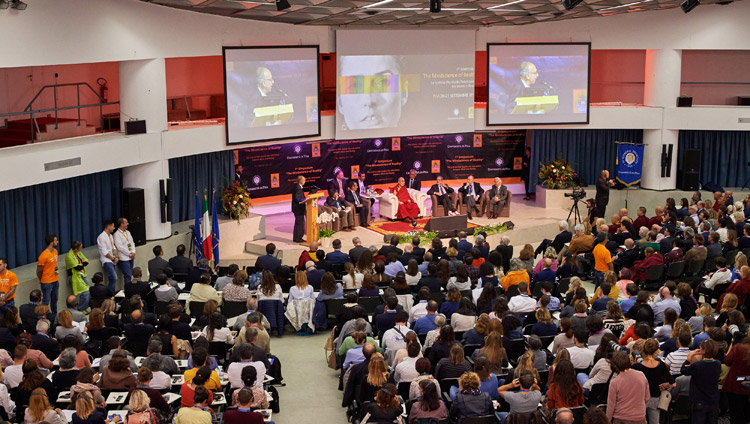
(393, 339)
(215, 331)
(268, 289)
(13, 374)
(108, 254)
(523, 302)
(722, 275)
(161, 380)
(225, 280)
(351, 278)
(420, 309)
(246, 359)
(125, 246)
(581, 356)
(406, 370)
(301, 290)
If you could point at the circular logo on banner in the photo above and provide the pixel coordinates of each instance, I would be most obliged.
(297, 149)
(459, 138)
(499, 161)
(417, 164)
(256, 179)
(378, 142)
(630, 158)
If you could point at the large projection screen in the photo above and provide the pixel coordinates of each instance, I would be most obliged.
(399, 83)
(271, 93)
(538, 83)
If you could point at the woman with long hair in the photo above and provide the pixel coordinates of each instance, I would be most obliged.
(269, 288)
(237, 291)
(85, 383)
(140, 409)
(526, 366)
(413, 275)
(658, 376)
(495, 353)
(562, 355)
(526, 255)
(375, 379)
(216, 331)
(488, 379)
(614, 320)
(352, 277)
(369, 287)
(301, 289)
(730, 303)
(65, 326)
(429, 404)
(249, 376)
(86, 412)
(365, 263)
(97, 329)
(111, 319)
(565, 339)
(470, 401)
(602, 370)
(486, 299)
(209, 308)
(32, 379)
(442, 346)
(380, 277)
(476, 335)
(461, 280)
(465, 317)
(500, 309)
(403, 353)
(399, 284)
(565, 391)
(329, 288)
(451, 303)
(386, 408)
(544, 325)
(454, 365)
(444, 271)
(40, 410)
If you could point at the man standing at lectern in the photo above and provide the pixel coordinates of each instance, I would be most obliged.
(298, 209)
(602, 194)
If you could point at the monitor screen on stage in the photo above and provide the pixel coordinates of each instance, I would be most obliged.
(400, 83)
(271, 93)
(536, 84)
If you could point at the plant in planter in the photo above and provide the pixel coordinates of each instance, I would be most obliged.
(324, 236)
(557, 174)
(236, 201)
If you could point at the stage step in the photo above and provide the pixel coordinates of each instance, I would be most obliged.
(291, 251)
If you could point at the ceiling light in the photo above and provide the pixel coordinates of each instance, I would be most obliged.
(18, 4)
(377, 4)
(623, 5)
(569, 4)
(689, 5)
(504, 4)
(4, 4)
(282, 4)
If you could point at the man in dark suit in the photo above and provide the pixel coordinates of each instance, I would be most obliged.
(665, 245)
(156, 265)
(463, 244)
(238, 172)
(417, 251)
(602, 193)
(471, 193)
(346, 213)
(180, 264)
(357, 250)
(338, 184)
(524, 86)
(413, 181)
(337, 256)
(391, 248)
(314, 275)
(298, 209)
(43, 342)
(387, 320)
(442, 194)
(136, 329)
(431, 280)
(360, 205)
(714, 249)
(626, 258)
(137, 286)
(28, 317)
(498, 198)
(506, 250)
(269, 261)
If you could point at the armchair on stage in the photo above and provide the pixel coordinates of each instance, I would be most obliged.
(483, 205)
(389, 203)
(437, 208)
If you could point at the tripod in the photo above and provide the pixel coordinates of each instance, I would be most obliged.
(576, 213)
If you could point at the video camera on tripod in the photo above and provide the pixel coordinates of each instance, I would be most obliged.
(577, 194)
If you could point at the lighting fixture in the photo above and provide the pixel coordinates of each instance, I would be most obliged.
(569, 4)
(689, 5)
(282, 5)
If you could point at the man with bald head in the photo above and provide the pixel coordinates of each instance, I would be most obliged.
(564, 416)
(308, 255)
(545, 275)
(498, 198)
(72, 303)
(137, 331)
(626, 258)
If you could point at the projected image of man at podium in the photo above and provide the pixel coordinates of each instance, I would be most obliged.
(268, 106)
(526, 88)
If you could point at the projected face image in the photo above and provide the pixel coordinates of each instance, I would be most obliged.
(372, 96)
(265, 80)
(529, 73)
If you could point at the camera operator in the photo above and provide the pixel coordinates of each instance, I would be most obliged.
(602, 194)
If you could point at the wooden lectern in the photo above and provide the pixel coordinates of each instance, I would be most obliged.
(311, 215)
(536, 104)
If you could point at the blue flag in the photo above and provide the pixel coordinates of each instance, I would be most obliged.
(197, 239)
(215, 232)
(629, 163)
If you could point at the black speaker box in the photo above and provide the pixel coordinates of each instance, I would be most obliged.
(743, 101)
(435, 6)
(684, 102)
(688, 181)
(138, 231)
(135, 127)
(691, 160)
(133, 206)
(447, 226)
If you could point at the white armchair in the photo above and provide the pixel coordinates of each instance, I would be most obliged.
(389, 203)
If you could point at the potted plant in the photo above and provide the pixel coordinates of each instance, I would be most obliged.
(324, 237)
(236, 201)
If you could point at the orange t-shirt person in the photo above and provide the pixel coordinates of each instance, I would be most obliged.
(8, 282)
(47, 264)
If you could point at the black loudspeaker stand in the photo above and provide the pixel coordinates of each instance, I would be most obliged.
(134, 210)
(138, 231)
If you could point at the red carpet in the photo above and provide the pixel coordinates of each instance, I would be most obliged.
(401, 227)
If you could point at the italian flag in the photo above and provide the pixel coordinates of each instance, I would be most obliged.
(206, 229)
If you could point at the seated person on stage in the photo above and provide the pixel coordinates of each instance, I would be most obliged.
(407, 209)
(498, 198)
(471, 193)
(361, 205)
(345, 213)
(442, 192)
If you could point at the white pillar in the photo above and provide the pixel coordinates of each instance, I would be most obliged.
(661, 89)
(143, 92)
(143, 95)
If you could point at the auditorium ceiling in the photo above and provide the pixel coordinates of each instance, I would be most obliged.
(404, 12)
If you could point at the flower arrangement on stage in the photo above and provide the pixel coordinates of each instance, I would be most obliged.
(325, 218)
(322, 233)
(236, 201)
(557, 174)
(425, 237)
(491, 229)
